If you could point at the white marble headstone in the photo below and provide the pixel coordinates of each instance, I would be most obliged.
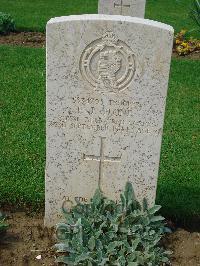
(107, 79)
(133, 8)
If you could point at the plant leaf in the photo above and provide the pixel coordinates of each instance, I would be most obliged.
(91, 243)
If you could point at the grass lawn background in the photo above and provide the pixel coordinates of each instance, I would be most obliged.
(22, 133)
(33, 15)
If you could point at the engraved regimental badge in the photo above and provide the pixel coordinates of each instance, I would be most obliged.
(108, 64)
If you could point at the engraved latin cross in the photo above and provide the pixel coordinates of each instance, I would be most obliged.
(101, 159)
(121, 6)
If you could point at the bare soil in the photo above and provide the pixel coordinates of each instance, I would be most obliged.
(195, 55)
(27, 240)
(185, 247)
(28, 39)
(37, 39)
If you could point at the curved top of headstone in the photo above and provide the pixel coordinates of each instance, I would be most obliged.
(95, 17)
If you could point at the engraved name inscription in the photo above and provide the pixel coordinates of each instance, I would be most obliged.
(104, 115)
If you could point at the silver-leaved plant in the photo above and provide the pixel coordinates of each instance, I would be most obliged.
(104, 232)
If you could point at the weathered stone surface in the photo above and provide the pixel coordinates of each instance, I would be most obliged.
(107, 79)
(133, 8)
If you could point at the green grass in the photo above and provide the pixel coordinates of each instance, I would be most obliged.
(22, 132)
(33, 15)
(174, 13)
(179, 179)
